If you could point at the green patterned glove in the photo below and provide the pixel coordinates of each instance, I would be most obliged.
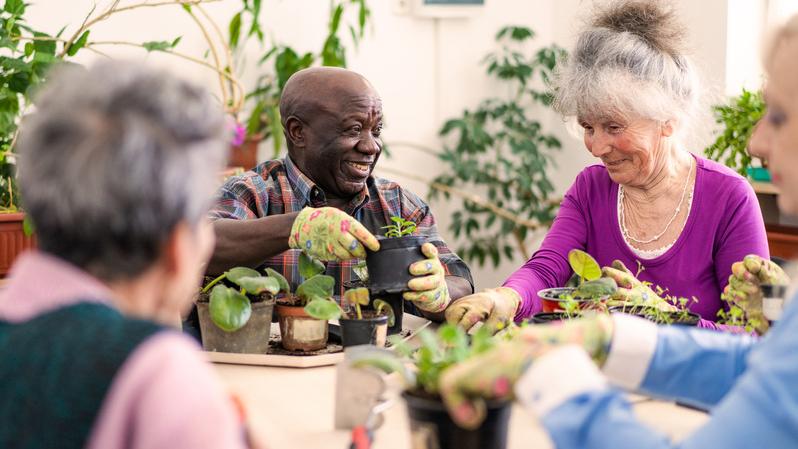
(328, 234)
(593, 334)
(491, 375)
(743, 287)
(428, 289)
(630, 289)
(495, 306)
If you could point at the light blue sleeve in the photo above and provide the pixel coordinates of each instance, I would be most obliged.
(753, 389)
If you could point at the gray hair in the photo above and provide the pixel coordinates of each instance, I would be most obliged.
(629, 62)
(113, 159)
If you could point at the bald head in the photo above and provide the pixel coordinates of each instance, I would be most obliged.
(321, 89)
(332, 120)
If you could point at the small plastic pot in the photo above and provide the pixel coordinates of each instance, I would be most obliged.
(253, 338)
(300, 331)
(548, 317)
(371, 330)
(395, 300)
(552, 297)
(389, 268)
(431, 425)
(674, 318)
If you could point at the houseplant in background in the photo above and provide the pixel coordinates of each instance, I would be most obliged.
(27, 56)
(738, 119)
(430, 422)
(235, 310)
(303, 316)
(279, 61)
(501, 150)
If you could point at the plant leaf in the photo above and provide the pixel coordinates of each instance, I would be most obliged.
(584, 265)
(281, 281)
(309, 267)
(358, 295)
(383, 306)
(258, 285)
(230, 310)
(78, 44)
(234, 274)
(323, 309)
(161, 45)
(317, 287)
(235, 30)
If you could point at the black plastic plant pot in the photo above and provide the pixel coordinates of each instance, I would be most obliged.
(431, 424)
(395, 300)
(389, 268)
(370, 330)
(548, 317)
(658, 316)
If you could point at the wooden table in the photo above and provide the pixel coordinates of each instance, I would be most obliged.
(293, 408)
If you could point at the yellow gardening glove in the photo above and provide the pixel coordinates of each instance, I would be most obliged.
(495, 306)
(327, 233)
(428, 289)
(743, 287)
(593, 333)
(630, 289)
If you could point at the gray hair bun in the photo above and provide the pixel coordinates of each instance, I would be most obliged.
(654, 22)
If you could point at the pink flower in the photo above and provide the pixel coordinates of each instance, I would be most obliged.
(239, 132)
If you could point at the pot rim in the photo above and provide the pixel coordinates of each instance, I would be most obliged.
(406, 241)
(437, 402)
(548, 295)
(382, 319)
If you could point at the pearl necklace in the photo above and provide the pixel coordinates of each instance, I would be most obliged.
(667, 226)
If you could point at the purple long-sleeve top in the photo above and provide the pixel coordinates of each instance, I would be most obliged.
(724, 225)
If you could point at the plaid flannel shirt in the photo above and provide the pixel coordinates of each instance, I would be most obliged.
(277, 187)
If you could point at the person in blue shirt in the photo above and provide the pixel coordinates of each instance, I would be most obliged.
(566, 374)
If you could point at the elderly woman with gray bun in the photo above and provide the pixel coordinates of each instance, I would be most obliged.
(684, 218)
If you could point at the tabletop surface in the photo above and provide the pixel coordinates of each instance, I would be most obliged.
(294, 407)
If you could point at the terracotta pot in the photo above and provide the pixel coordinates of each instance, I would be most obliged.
(300, 331)
(253, 338)
(551, 298)
(13, 240)
(246, 154)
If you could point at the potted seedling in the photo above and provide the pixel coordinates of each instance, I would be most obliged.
(394, 300)
(235, 311)
(365, 327)
(671, 310)
(389, 268)
(430, 422)
(592, 291)
(303, 316)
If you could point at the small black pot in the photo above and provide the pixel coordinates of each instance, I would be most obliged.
(389, 268)
(367, 331)
(548, 317)
(430, 423)
(395, 300)
(676, 318)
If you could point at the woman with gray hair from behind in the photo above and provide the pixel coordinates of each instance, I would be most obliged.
(117, 170)
(651, 203)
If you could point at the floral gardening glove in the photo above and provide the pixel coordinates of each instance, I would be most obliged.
(428, 289)
(630, 289)
(327, 233)
(495, 306)
(743, 287)
(593, 334)
(491, 375)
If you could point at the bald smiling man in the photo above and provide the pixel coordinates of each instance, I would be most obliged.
(332, 120)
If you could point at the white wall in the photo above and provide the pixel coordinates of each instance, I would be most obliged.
(427, 70)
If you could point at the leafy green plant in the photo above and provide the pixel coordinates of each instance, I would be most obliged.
(358, 297)
(315, 293)
(231, 308)
(584, 265)
(736, 316)
(501, 150)
(439, 350)
(280, 61)
(738, 119)
(399, 228)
